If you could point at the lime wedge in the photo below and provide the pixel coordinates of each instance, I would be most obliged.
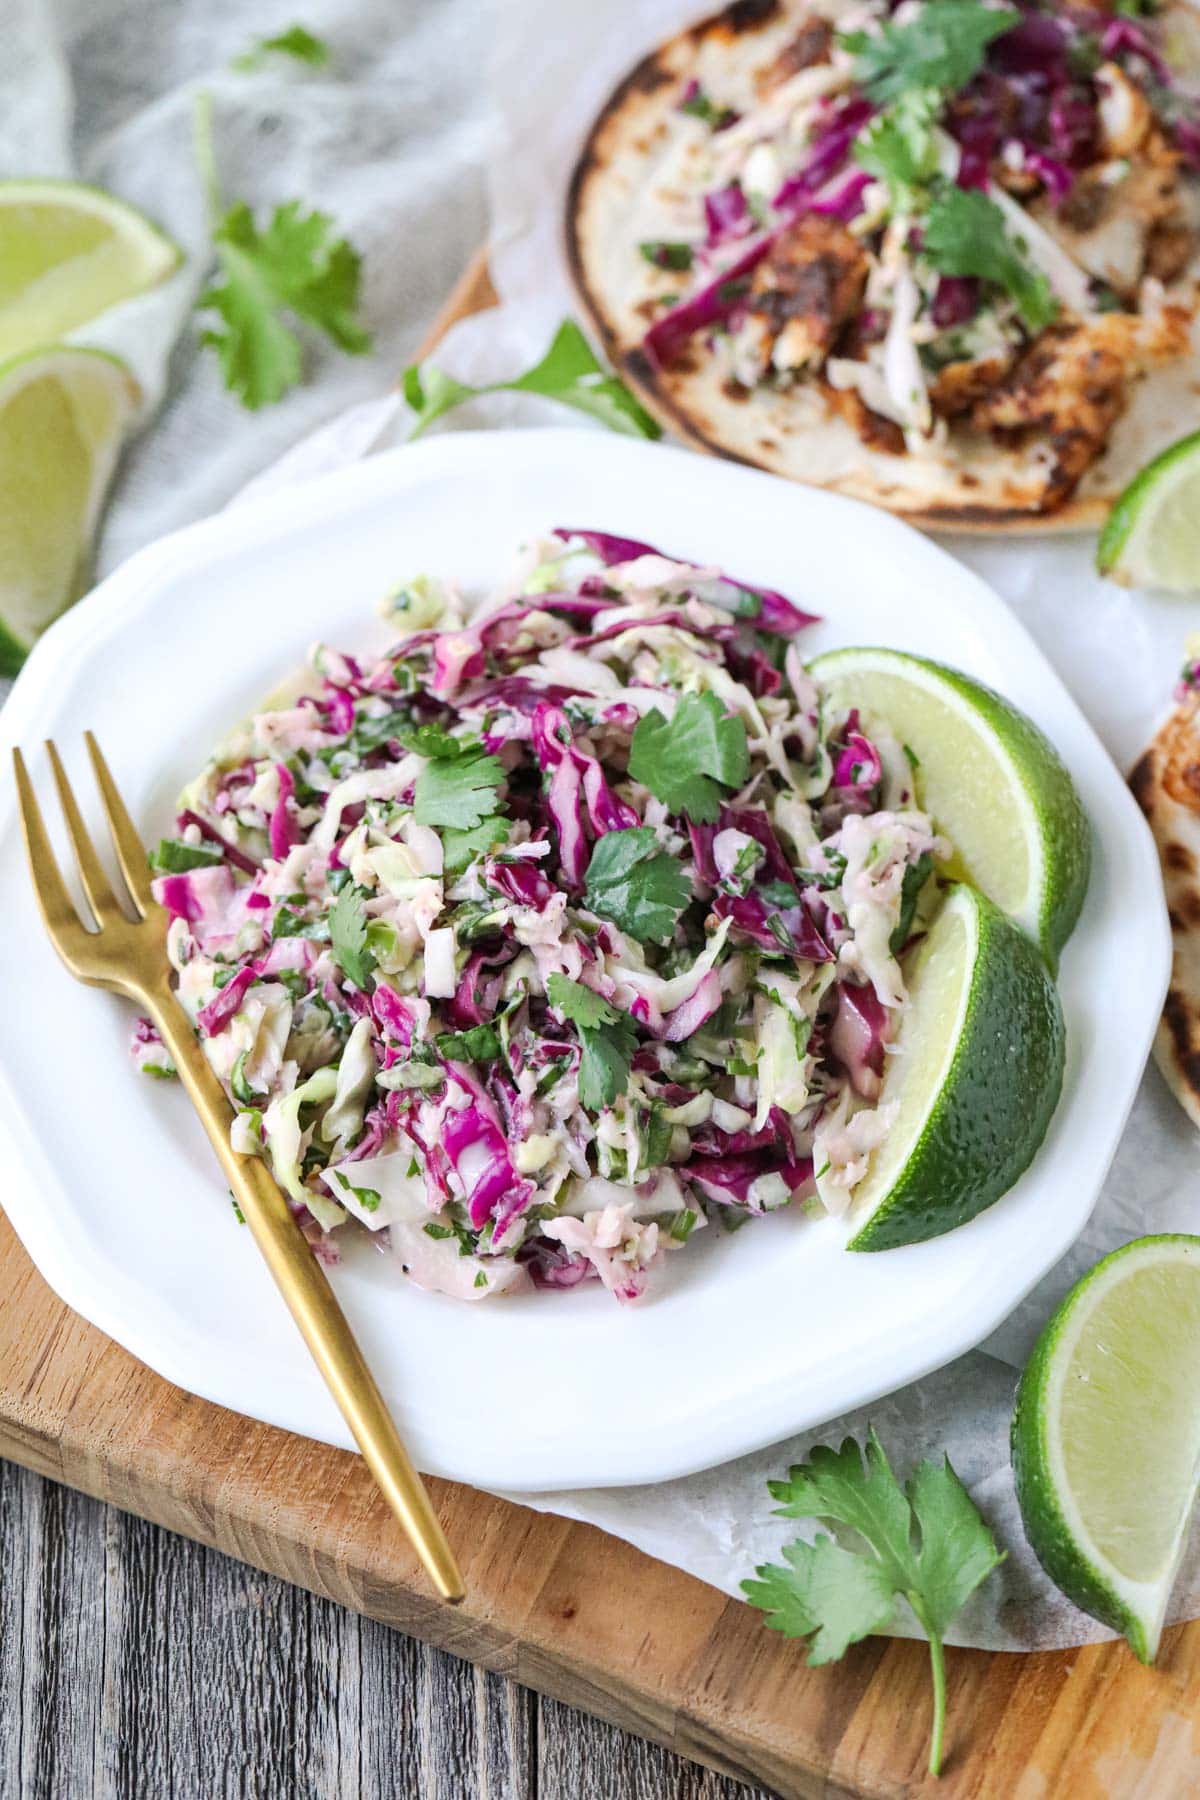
(67, 252)
(63, 414)
(1152, 536)
(975, 1074)
(991, 781)
(1106, 1435)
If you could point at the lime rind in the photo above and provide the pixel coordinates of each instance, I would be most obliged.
(78, 253)
(978, 1120)
(1040, 791)
(99, 415)
(1152, 535)
(1054, 1524)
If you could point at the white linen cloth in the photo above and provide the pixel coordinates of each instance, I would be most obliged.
(390, 140)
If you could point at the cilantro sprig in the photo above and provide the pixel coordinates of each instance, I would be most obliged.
(924, 1541)
(608, 1038)
(899, 149)
(633, 882)
(685, 760)
(293, 268)
(942, 46)
(965, 234)
(568, 373)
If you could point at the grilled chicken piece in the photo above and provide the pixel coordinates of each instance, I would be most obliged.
(1070, 387)
(876, 432)
(1111, 227)
(957, 386)
(810, 46)
(802, 294)
(1125, 112)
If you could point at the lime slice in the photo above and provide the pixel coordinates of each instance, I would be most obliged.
(991, 781)
(1106, 1435)
(1152, 535)
(63, 414)
(975, 1074)
(67, 252)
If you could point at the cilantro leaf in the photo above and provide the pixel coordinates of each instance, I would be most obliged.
(297, 41)
(637, 885)
(174, 857)
(608, 1038)
(459, 848)
(965, 234)
(681, 759)
(604, 1065)
(943, 46)
(457, 791)
(831, 1596)
(582, 1005)
(294, 266)
(432, 741)
(925, 1541)
(294, 924)
(348, 936)
(569, 373)
(899, 149)
(479, 1044)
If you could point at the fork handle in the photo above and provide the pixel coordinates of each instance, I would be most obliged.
(311, 1302)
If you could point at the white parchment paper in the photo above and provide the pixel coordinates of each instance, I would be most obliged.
(392, 141)
(554, 63)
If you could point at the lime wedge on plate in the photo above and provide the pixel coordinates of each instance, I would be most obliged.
(68, 252)
(1106, 1435)
(63, 415)
(975, 1073)
(1152, 536)
(987, 776)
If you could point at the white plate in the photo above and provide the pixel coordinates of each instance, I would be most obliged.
(111, 1184)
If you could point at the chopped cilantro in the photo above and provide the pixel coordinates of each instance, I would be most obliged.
(667, 255)
(942, 46)
(174, 857)
(607, 1036)
(682, 759)
(348, 936)
(633, 882)
(457, 792)
(479, 1044)
(965, 234)
(368, 1198)
(915, 877)
(293, 924)
(898, 147)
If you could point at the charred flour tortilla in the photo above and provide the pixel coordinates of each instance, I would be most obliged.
(1019, 450)
(1166, 785)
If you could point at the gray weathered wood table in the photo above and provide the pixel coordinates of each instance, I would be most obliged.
(134, 1662)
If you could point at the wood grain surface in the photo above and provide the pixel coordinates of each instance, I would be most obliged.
(158, 1658)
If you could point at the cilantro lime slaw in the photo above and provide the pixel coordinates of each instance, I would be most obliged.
(559, 933)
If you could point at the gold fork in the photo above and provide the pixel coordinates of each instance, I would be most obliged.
(129, 957)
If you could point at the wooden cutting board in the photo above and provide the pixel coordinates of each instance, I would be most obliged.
(577, 1614)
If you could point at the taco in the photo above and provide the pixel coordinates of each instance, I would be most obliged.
(944, 256)
(1166, 785)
